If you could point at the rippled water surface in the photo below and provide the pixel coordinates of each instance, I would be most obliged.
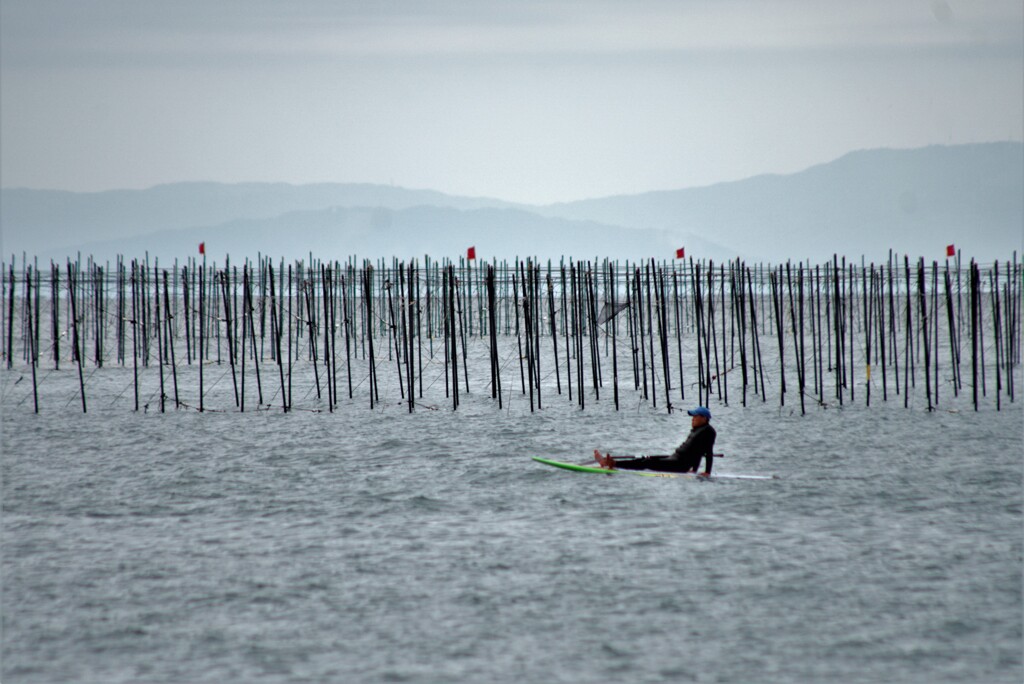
(386, 547)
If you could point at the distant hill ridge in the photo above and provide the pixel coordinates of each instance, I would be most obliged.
(864, 203)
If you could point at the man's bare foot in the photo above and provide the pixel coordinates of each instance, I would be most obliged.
(604, 461)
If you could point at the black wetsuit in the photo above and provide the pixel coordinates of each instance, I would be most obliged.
(686, 458)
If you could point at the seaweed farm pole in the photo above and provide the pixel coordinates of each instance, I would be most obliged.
(430, 318)
(519, 335)
(893, 344)
(650, 335)
(639, 325)
(711, 335)
(908, 348)
(170, 339)
(819, 363)
(307, 289)
(462, 337)
(101, 308)
(539, 316)
(248, 313)
(493, 330)
(853, 300)
(1013, 304)
(454, 354)
(531, 318)
(951, 323)
(1009, 306)
(288, 294)
(393, 331)
(814, 300)
(698, 322)
(31, 337)
(837, 322)
(974, 331)
(491, 349)
(566, 324)
(554, 331)
(577, 329)
(275, 338)
(727, 359)
(328, 360)
(981, 331)
(868, 305)
(532, 326)
(580, 321)
(10, 318)
(55, 313)
(158, 333)
(325, 296)
(935, 329)
(797, 349)
(241, 351)
(201, 344)
(494, 322)
(143, 317)
(121, 311)
(414, 271)
(740, 321)
(591, 320)
(230, 328)
(411, 330)
(679, 334)
(758, 360)
(880, 304)
(923, 304)
(663, 330)
(445, 326)
(631, 329)
(34, 329)
(611, 287)
(802, 368)
(188, 317)
(779, 331)
(993, 281)
(135, 330)
(368, 326)
(845, 305)
(528, 330)
(829, 318)
(3, 298)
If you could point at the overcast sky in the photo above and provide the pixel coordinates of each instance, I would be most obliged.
(535, 101)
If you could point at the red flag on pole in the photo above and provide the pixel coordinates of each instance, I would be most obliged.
(202, 248)
(681, 253)
(950, 250)
(471, 253)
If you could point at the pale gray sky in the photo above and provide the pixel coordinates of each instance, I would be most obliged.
(535, 101)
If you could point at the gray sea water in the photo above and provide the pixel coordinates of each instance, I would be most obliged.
(378, 546)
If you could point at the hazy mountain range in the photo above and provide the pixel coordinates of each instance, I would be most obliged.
(865, 203)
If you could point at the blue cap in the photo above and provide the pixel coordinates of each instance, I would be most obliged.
(700, 411)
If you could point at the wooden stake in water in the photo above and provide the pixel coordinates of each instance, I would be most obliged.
(135, 333)
(923, 304)
(10, 319)
(248, 312)
(159, 336)
(31, 338)
(170, 340)
(230, 328)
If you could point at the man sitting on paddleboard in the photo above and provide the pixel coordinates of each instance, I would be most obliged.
(686, 459)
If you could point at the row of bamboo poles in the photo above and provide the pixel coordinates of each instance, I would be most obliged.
(825, 327)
